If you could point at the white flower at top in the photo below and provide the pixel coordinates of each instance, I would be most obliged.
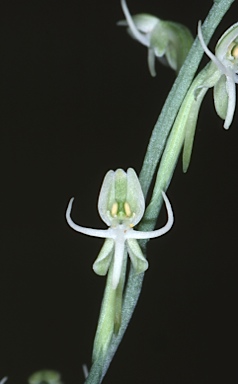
(121, 206)
(226, 61)
(166, 40)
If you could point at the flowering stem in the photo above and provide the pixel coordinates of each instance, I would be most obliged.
(177, 93)
(152, 157)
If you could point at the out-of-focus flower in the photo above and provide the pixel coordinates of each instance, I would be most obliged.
(166, 40)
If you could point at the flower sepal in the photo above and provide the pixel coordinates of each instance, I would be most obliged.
(221, 97)
(103, 261)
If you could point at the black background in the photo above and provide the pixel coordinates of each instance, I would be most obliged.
(77, 100)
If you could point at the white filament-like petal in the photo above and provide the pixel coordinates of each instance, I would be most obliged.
(138, 36)
(158, 232)
(103, 233)
(215, 60)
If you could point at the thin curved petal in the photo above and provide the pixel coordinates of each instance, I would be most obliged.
(103, 233)
(158, 232)
(138, 36)
(215, 60)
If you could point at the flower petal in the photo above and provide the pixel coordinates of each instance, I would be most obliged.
(138, 260)
(106, 197)
(103, 233)
(231, 90)
(221, 97)
(102, 262)
(120, 186)
(225, 41)
(135, 195)
(158, 232)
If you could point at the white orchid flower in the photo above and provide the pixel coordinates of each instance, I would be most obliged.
(121, 206)
(165, 40)
(226, 61)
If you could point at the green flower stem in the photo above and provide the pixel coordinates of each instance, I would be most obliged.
(152, 157)
(110, 315)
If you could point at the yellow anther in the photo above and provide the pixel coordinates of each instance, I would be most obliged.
(234, 51)
(127, 209)
(114, 209)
